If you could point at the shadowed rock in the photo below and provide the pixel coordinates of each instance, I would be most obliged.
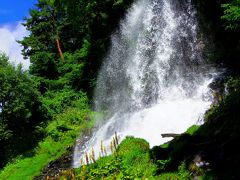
(169, 135)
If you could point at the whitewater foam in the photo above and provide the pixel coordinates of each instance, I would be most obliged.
(154, 79)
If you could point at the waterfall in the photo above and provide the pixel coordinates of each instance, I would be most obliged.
(154, 79)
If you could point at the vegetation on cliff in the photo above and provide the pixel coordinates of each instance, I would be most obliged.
(44, 110)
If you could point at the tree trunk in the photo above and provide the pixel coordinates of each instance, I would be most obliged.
(59, 50)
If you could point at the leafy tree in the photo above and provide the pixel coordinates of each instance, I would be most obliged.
(94, 21)
(54, 102)
(43, 45)
(232, 15)
(64, 44)
(19, 108)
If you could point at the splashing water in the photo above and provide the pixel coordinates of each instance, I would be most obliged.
(154, 79)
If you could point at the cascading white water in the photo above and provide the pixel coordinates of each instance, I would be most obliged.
(154, 79)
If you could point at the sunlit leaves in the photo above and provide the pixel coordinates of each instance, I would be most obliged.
(232, 15)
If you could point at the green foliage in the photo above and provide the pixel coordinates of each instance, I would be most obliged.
(215, 141)
(17, 94)
(19, 109)
(71, 116)
(83, 28)
(118, 3)
(45, 23)
(61, 134)
(54, 102)
(47, 102)
(131, 161)
(107, 167)
(73, 24)
(192, 129)
(134, 153)
(182, 173)
(162, 164)
(222, 44)
(222, 130)
(131, 144)
(165, 145)
(233, 87)
(232, 15)
(233, 84)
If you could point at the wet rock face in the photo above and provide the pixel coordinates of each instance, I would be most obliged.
(218, 89)
(55, 167)
(65, 162)
(200, 161)
(217, 85)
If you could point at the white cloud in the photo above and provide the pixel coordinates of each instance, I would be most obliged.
(8, 37)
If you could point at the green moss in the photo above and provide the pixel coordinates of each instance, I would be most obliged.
(165, 145)
(131, 144)
(192, 129)
(134, 153)
(131, 161)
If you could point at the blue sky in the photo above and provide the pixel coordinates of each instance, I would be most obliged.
(12, 13)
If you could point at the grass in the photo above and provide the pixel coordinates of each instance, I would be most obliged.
(61, 134)
(131, 160)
